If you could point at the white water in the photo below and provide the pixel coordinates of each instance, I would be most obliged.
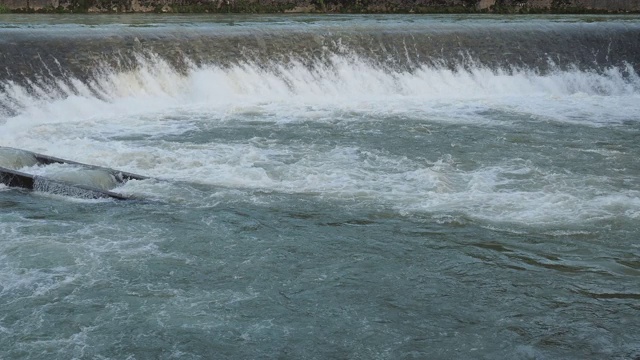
(84, 122)
(349, 84)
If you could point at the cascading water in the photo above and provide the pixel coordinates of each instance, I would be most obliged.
(336, 187)
(15, 159)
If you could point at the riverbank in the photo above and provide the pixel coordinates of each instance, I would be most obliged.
(320, 6)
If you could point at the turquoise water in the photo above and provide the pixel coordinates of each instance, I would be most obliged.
(362, 187)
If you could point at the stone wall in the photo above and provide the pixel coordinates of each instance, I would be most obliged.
(612, 5)
(33, 4)
(604, 5)
(332, 6)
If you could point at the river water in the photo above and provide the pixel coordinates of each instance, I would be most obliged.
(324, 187)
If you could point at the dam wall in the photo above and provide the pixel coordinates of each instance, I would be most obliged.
(321, 6)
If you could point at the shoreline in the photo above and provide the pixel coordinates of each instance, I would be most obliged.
(322, 6)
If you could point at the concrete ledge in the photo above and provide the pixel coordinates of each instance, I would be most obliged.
(14, 178)
(19, 179)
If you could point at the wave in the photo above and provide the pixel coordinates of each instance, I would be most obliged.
(139, 121)
(345, 81)
(377, 180)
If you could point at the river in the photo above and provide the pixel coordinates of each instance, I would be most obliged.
(324, 187)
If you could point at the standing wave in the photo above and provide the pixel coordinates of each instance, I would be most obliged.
(342, 82)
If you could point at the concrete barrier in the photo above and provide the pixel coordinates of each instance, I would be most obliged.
(15, 178)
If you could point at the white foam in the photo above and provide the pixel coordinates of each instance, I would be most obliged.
(92, 122)
(534, 196)
(144, 97)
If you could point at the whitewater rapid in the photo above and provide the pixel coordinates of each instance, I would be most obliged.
(122, 118)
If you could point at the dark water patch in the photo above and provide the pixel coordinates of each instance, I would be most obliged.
(557, 266)
(7, 204)
(607, 296)
(494, 246)
(634, 264)
(356, 222)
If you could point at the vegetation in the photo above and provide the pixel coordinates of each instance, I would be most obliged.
(320, 6)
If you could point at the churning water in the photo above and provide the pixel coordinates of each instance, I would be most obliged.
(362, 187)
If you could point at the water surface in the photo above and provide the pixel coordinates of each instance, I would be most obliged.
(363, 187)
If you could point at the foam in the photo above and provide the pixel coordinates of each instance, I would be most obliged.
(120, 120)
(346, 84)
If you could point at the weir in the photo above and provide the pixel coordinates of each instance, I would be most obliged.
(15, 178)
(55, 59)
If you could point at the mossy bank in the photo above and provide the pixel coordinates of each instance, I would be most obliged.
(320, 6)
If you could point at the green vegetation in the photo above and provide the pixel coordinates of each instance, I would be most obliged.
(318, 6)
(238, 6)
(556, 7)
